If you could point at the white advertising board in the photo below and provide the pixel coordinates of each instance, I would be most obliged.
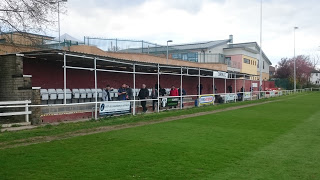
(247, 95)
(114, 107)
(230, 97)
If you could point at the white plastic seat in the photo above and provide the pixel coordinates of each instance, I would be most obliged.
(60, 93)
(76, 93)
(83, 93)
(89, 93)
(99, 92)
(44, 94)
(68, 94)
(168, 91)
(150, 91)
(52, 94)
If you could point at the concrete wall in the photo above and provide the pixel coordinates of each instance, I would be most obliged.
(249, 68)
(15, 87)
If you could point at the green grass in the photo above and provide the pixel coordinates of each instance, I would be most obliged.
(279, 140)
(49, 130)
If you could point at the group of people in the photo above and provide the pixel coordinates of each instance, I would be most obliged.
(126, 93)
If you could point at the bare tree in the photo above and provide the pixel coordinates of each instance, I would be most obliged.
(315, 60)
(34, 16)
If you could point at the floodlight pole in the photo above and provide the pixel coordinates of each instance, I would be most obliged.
(168, 49)
(59, 22)
(261, 60)
(294, 60)
(58, 2)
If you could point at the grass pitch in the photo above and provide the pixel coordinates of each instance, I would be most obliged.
(278, 140)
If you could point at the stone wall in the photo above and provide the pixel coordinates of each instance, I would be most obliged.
(14, 86)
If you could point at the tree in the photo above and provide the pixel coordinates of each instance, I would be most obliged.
(304, 66)
(315, 60)
(34, 16)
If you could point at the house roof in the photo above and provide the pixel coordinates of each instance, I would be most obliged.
(245, 47)
(315, 71)
(200, 45)
(67, 37)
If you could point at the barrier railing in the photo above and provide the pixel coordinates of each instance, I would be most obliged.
(226, 98)
(13, 104)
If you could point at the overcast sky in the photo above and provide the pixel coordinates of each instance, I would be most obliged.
(186, 21)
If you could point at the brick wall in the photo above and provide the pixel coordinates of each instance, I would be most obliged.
(15, 87)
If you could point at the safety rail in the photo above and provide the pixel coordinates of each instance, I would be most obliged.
(13, 104)
(246, 96)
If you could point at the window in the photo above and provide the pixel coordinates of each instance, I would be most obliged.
(263, 64)
(316, 74)
(193, 57)
(258, 64)
(245, 60)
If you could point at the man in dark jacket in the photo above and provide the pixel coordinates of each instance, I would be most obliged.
(129, 93)
(143, 94)
(230, 88)
(122, 92)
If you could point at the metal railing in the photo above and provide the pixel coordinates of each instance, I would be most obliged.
(16, 104)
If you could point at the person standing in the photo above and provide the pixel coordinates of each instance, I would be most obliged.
(122, 93)
(174, 91)
(143, 94)
(154, 95)
(106, 93)
(230, 88)
(129, 93)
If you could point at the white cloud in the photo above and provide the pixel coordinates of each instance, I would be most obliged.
(190, 21)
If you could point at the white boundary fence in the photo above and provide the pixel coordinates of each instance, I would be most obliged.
(16, 104)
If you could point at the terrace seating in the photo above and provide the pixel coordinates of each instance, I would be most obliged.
(60, 93)
(76, 93)
(83, 93)
(44, 94)
(89, 93)
(99, 92)
(68, 94)
(52, 94)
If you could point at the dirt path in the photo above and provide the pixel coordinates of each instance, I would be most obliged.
(36, 140)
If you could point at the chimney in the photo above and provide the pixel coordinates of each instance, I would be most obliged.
(231, 38)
